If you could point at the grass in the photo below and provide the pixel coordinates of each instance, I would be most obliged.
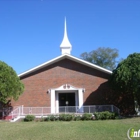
(74, 130)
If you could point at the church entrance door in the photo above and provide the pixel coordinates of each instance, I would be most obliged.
(66, 101)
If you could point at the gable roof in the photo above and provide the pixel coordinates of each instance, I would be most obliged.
(64, 56)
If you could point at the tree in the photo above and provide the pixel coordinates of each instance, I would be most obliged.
(126, 77)
(10, 84)
(104, 57)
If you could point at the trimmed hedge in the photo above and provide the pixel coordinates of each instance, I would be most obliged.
(29, 118)
(86, 116)
(50, 118)
(66, 117)
(105, 115)
(77, 118)
(69, 117)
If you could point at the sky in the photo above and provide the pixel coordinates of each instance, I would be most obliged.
(31, 31)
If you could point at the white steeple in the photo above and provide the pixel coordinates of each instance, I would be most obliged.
(65, 46)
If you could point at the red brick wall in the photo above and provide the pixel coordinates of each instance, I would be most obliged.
(55, 75)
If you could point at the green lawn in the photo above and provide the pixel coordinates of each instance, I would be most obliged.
(74, 130)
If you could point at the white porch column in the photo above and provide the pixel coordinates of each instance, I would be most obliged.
(80, 93)
(52, 101)
(57, 104)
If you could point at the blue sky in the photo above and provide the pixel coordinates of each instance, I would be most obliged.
(31, 31)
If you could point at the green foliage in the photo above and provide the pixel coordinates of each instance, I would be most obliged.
(10, 84)
(52, 118)
(126, 77)
(86, 116)
(66, 117)
(104, 57)
(77, 118)
(29, 118)
(46, 119)
(114, 116)
(71, 117)
(97, 115)
(105, 115)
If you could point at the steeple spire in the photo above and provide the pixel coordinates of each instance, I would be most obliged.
(65, 45)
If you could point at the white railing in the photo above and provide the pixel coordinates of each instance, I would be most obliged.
(10, 112)
(42, 111)
(16, 112)
(21, 111)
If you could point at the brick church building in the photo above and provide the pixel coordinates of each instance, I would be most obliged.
(64, 81)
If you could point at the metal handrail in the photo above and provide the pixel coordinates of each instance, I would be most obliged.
(42, 111)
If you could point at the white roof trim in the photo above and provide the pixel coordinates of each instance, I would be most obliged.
(41, 66)
(69, 57)
(89, 64)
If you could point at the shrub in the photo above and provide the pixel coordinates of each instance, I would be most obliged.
(65, 117)
(57, 118)
(77, 118)
(29, 118)
(69, 117)
(86, 116)
(47, 118)
(104, 115)
(52, 118)
(62, 117)
(97, 115)
(113, 116)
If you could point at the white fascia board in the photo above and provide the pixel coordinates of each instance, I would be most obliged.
(89, 64)
(42, 65)
(69, 57)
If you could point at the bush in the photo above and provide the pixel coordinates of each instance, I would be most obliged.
(69, 117)
(104, 115)
(113, 116)
(97, 115)
(62, 117)
(29, 118)
(56, 118)
(77, 118)
(53, 118)
(86, 116)
(47, 118)
(66, 117)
